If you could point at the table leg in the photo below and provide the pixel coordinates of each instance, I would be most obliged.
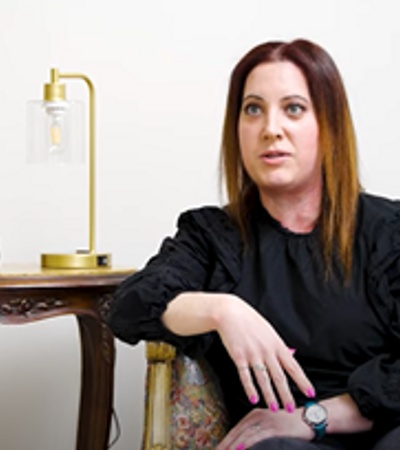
(97, 347)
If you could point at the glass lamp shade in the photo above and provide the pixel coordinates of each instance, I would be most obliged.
(55, 132)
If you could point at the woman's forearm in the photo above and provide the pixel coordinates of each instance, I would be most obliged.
(193, 313)
(344, 415)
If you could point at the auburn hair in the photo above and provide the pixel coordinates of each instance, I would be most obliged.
(337, 142)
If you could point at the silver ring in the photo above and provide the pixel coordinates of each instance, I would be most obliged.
(260, 367)
(256, 427)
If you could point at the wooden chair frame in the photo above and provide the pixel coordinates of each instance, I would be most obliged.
(164, 366)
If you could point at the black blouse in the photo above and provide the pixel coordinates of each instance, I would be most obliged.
(346, 336)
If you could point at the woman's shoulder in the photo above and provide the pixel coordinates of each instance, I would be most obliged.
(215, 227)
(379, 205)
(376, 211)
(214, 223)
(379, 234)
(214, 219)
(379, 226)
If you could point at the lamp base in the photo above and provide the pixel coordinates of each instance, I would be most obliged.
(78, 260)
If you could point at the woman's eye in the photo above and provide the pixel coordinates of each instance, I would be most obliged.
(252, 109)
(295, 109)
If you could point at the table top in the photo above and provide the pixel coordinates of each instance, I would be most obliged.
(33, 275)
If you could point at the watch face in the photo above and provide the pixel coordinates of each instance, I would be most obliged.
(315, 414)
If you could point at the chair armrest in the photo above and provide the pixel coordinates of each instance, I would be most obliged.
(183, 404)
(157, 405)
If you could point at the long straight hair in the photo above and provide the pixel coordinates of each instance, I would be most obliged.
(337, 143)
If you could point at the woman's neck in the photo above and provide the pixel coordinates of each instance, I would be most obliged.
(298, 213)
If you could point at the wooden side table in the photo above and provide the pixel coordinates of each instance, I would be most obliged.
(30, 293)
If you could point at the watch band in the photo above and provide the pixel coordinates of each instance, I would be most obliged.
(319, 430)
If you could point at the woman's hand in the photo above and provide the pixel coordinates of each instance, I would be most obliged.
(259, 354)
(251, 341)
(343, 417)
(261, 424)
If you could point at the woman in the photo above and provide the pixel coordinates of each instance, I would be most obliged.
(291, 291)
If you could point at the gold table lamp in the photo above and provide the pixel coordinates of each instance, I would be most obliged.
(56, 112)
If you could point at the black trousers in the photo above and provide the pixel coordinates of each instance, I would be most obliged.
(391, 441)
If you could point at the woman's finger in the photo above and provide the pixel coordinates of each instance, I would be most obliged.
(240, 434)
(248, 383)
(261, 373)
(280, 382)
(296, 373)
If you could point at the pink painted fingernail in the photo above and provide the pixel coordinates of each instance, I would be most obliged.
(310, 392)
(292, 351)
(289, 407)
(240, 447)
(253, 399)
(273, 407)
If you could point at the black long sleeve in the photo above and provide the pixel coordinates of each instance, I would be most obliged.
(202, 256)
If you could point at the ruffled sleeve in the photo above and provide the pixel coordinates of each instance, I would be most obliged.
(375, 385)
(204, 255)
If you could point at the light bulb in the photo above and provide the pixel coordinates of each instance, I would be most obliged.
(56, 112)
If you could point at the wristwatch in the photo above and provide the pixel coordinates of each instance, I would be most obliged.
(315, 415)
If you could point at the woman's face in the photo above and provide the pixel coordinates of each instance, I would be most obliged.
(278, 131)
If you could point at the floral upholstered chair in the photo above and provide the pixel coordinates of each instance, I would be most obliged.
(183, 405)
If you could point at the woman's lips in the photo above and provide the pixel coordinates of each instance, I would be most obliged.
(274, 156)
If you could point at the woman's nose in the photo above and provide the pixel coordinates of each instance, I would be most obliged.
(272, 127)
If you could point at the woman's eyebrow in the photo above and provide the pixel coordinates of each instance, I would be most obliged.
(253, 96)
(296, 97)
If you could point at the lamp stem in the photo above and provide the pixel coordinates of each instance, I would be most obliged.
(54, 76)
(92, 161)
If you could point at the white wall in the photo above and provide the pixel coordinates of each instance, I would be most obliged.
(161, 71)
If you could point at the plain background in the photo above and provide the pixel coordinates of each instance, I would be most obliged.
(161, 70)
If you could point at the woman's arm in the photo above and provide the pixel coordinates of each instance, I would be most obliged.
(343, 417)
(256, 349)
(192, 313)
(195, 259)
